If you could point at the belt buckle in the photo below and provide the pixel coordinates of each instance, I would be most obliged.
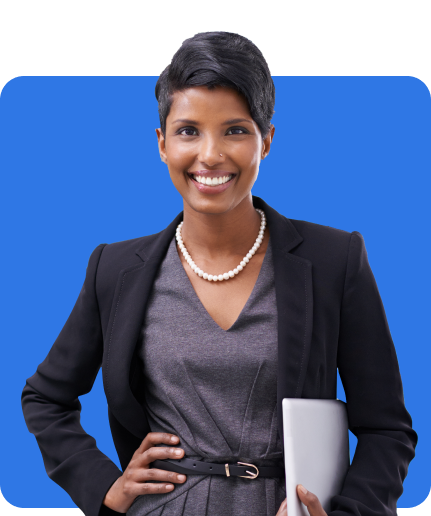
(253, 475)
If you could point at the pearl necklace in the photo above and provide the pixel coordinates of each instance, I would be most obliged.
(238, 268)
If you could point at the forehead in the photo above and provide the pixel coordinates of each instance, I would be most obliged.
(201, 101)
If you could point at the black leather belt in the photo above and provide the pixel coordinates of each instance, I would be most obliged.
(197, 467)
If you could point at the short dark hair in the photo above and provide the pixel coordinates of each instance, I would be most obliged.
(220, 59)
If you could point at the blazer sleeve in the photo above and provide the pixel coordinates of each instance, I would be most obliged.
(377, 416)
(52, 409)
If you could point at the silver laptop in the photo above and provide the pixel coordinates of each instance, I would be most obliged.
(316, 450)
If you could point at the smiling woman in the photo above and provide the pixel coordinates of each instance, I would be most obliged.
(213, 148)
(202, 329)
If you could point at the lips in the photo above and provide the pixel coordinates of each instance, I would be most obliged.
(211, 173)
(207, 189)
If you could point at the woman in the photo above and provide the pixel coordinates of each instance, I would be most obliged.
(202, 329)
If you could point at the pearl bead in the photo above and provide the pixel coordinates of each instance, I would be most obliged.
(231, 273)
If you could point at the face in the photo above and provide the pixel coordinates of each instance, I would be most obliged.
(211, 137)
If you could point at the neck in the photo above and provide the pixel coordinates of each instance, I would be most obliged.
(221, 235)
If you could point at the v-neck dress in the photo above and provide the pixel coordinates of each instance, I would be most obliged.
(214, 388)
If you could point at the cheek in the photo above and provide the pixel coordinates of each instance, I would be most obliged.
(179, 161)
(178, 155)
(248, 151)
(248, 157)
(256, 159)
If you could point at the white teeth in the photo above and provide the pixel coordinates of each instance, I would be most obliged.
(214, 181)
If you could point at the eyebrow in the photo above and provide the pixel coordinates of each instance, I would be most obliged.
(227, 122)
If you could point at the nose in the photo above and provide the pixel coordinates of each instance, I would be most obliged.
(209, 151)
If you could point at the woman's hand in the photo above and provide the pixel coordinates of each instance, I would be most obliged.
(135, 479)
(307, 498)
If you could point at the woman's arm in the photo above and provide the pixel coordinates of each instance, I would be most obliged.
(52, 409)
(369, 370)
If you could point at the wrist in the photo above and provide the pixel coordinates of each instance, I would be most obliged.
(112, 497)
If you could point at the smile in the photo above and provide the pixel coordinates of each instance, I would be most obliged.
(212, 181)
(218, 183)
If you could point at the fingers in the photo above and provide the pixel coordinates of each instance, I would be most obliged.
(311, 501)
(153, 438)
(159, 452)
(159, 475)
(282, 511)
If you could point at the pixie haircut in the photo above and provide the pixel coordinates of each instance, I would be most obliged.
(220, 59)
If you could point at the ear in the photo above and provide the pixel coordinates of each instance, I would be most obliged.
(266, 143)
(162, 145)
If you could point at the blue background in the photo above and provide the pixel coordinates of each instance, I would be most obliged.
(80, 167)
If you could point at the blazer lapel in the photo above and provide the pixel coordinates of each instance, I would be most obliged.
(127, 316)
(294, 296)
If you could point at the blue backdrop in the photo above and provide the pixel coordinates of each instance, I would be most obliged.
(80, 166)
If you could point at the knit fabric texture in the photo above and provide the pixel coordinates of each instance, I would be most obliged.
(216, 389)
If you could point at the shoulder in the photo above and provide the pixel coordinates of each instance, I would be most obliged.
(123, 254)
(319, 234)
(126, 249)
(308, 228)
(322, 244)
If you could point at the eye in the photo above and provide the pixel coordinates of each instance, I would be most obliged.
(244, 131)
(188, 131)
(182, 131)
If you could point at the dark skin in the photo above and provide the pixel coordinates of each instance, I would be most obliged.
(309, 499)
(216, 227)
(219, 229)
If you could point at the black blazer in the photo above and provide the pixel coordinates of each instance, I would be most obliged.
(330, 315)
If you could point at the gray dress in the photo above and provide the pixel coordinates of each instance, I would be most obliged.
(216, 389)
